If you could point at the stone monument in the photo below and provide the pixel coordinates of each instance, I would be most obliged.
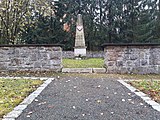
(80, 48)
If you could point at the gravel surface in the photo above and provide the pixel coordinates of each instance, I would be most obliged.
(85, 98)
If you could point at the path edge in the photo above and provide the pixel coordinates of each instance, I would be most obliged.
(148, 100)
(17, 111)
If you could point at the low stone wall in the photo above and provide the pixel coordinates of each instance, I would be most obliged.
(132, 58)
(30, 58)
(95, 54)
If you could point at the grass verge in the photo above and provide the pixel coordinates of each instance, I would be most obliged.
(12, 92)
(151, 87)
(85, 63)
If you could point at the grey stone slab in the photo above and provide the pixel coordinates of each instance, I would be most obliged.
(99, 70)
(37, 92)
(43, 78)
(146, 98)
(44, 85)
(34, 78)
(8, 119)
(77, 70)
(9, 77)
(157, 108)
(49, 80)
(132, 89)
(40, 88)
(17, 77)
(26, 77)
(28, 100)
(20, 107)
(153, 103)
(13, 114)
(141, 94)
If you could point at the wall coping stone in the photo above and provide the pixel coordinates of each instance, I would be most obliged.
(32, 45)
(130, 44)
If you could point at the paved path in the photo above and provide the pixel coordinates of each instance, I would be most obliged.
(80, 98)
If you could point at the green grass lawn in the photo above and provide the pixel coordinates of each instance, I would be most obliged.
(12, 92)
(151, 87)
(84, 63)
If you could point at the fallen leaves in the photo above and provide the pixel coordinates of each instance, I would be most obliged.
(50, 106)
(141, 104)
(36, 100)
(74, 107)
(68, 81)
(87, 100)
(42, 103)
(70, 90)
(29, 114)
(150, 87)
(99, 101)
(112, 112)
(102, 114)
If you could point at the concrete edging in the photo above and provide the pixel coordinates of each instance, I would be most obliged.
(15, 113)
(142, 95)
(83, 70)
(98, 70)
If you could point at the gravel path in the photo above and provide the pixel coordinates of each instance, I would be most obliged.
(86, 98)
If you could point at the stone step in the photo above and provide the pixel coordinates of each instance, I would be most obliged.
(83, 70)
(99, 70)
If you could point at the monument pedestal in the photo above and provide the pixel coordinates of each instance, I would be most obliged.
(80, 51)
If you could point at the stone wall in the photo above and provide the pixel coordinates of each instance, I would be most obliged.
(91, 54)
(132, 58)
(30, 58)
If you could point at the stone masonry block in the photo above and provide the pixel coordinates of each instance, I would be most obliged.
(99, 70)
(55, 55)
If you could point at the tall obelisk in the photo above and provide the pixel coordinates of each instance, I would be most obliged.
(80, 48)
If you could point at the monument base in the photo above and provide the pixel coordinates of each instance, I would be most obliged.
(80, 52)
